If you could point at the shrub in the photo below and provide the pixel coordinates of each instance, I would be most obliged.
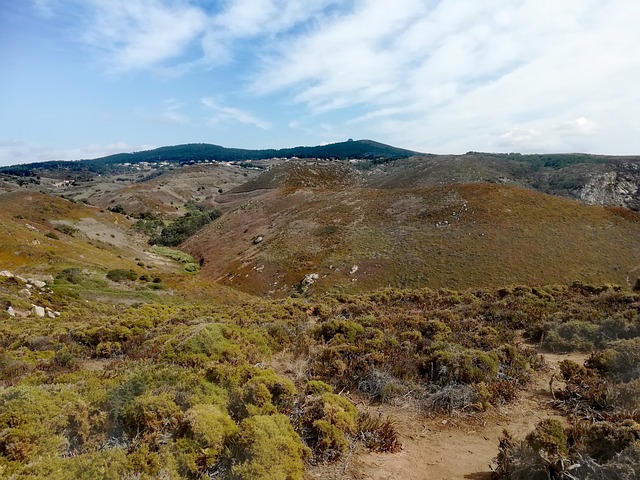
(67, 229)
(317, 387)
(121, 275)
(377, 434)
(70, 275)
(184, 227)
(549, 437)
(117, 209)
(269, 449)
(327, 421)
(348, 331)
(210, 428)
(152, 413)
(52, 236)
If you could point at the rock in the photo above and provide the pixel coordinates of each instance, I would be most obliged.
(310, 278)
(37, 283)
(353, 270)
(22, 279)
(50, 313)
(37, 311)
(258, 239)
(25, 292)
(6, 273)
(307, 281)
(11, 311)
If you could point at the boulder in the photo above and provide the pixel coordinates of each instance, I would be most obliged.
(37, 311)
(6, 273)
(25, 292)
(11, 311)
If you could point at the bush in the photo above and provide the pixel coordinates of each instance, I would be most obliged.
(184, 227)
(121, 275)
(210, 429)
(269, 449)
(326, 423)
(52, 236)
(67, 229)
(377, 434)
(152, 413)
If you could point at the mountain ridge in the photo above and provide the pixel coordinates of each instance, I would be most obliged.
(198, 152)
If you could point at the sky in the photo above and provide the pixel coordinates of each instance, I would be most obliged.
(86, 78)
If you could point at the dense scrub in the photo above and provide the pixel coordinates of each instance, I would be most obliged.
(184, 227)
(175, 389)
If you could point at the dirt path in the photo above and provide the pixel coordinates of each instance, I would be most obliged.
(457, 447)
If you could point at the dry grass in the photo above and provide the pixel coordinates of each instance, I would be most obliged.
(458, 236)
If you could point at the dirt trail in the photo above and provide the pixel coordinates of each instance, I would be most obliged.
(457, 447)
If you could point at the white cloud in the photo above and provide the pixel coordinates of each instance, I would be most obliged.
(172, 37)
(459, 75)
(451, 75)
(141, 34)
(229, 114)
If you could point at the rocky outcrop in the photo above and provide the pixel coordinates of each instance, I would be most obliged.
(611, 188)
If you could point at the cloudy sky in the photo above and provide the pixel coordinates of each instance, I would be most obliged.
(85, 78)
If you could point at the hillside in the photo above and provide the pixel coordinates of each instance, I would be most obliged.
(338, 319)
(591, 179)
(326, 220)
(200, 152)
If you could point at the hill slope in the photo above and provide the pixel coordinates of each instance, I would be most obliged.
(356, 237)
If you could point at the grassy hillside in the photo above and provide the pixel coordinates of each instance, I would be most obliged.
(457, 236)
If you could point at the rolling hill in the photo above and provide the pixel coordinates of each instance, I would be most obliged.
(334, 222)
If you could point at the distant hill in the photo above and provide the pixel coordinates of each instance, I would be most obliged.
(198, 152)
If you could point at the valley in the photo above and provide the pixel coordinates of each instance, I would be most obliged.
(371, 313)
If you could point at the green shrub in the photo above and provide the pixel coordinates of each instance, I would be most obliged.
(152, 413)
(210, 428)
(52, 236)
(31, 422)
(346, 330)
(269, 449)
(573, 335)
(184, 227)
(549, 437)
(71, 275)
(317, 387)
(121, 275)
(67, 229)
(329, 420)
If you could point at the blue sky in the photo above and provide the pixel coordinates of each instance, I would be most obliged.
(86, 78)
